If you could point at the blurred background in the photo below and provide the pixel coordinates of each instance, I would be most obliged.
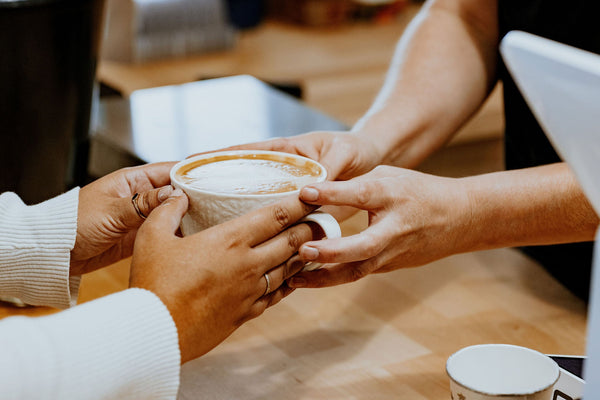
(78, 81)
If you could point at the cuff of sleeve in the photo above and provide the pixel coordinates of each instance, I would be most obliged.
(36, 243)
(130, 349)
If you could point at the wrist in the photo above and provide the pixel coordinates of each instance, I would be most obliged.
(381, 136)
(469, 232)
(175, 307)
(459, 210)
(36, 266)
(397, 138)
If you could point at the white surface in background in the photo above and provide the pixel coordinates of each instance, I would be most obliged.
(173, 122)
(561, 84)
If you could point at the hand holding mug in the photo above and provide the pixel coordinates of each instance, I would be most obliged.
(227, 184)
(414, 218)
(345, 155)
(107, 220)
(215, 280)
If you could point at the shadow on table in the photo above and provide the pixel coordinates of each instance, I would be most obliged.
(387, 335)
(333, 357)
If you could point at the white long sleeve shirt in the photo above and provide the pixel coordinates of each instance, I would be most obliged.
(122, 346)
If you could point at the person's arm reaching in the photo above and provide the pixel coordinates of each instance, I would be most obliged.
(415, 218)
(443, 69)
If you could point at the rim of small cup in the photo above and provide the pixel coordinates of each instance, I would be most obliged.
(500, 395)
(173, 173)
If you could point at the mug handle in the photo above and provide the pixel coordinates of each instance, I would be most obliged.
(330, 227)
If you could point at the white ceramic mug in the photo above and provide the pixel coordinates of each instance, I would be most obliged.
(210, 208)
(501, 372)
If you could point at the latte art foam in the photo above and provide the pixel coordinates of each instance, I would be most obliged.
(249, 176)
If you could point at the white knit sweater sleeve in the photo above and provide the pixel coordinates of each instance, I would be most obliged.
(35, 246)
(123, 346)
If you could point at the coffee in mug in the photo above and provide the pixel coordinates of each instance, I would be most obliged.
(224, 185)
(249, 174)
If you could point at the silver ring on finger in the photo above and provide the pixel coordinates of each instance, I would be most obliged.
(137, 207)
(268, 280)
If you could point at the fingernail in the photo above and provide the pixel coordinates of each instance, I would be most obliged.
(164, 193)
(309, 253)
(296, 282)
(309, 194)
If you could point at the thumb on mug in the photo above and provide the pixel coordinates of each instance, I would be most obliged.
(167, 217)
(141, 205)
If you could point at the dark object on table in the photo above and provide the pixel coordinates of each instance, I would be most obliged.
(378, 11)
(245, 14)
(572, 364)
(311, 12)
(108, 91)
(49, 52)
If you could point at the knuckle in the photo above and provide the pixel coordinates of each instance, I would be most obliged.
(256, 311)
(280, 143)
(230, 233)
(234, 241)
(127, 170)
(248, 275)
(363, 193)
(308, 231)
(361, 270)
(357, 273)
(294, 239)
(372, 246)
(281, 216)
(343, 147)
(382, 169)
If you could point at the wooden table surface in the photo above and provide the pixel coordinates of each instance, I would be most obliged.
(386, 336)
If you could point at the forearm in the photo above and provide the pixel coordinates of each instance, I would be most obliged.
(533, 206)
(442, 71)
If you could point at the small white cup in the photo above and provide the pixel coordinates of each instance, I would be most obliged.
(501, 372)
(207, 208)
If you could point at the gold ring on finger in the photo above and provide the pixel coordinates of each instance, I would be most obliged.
(136, 206)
